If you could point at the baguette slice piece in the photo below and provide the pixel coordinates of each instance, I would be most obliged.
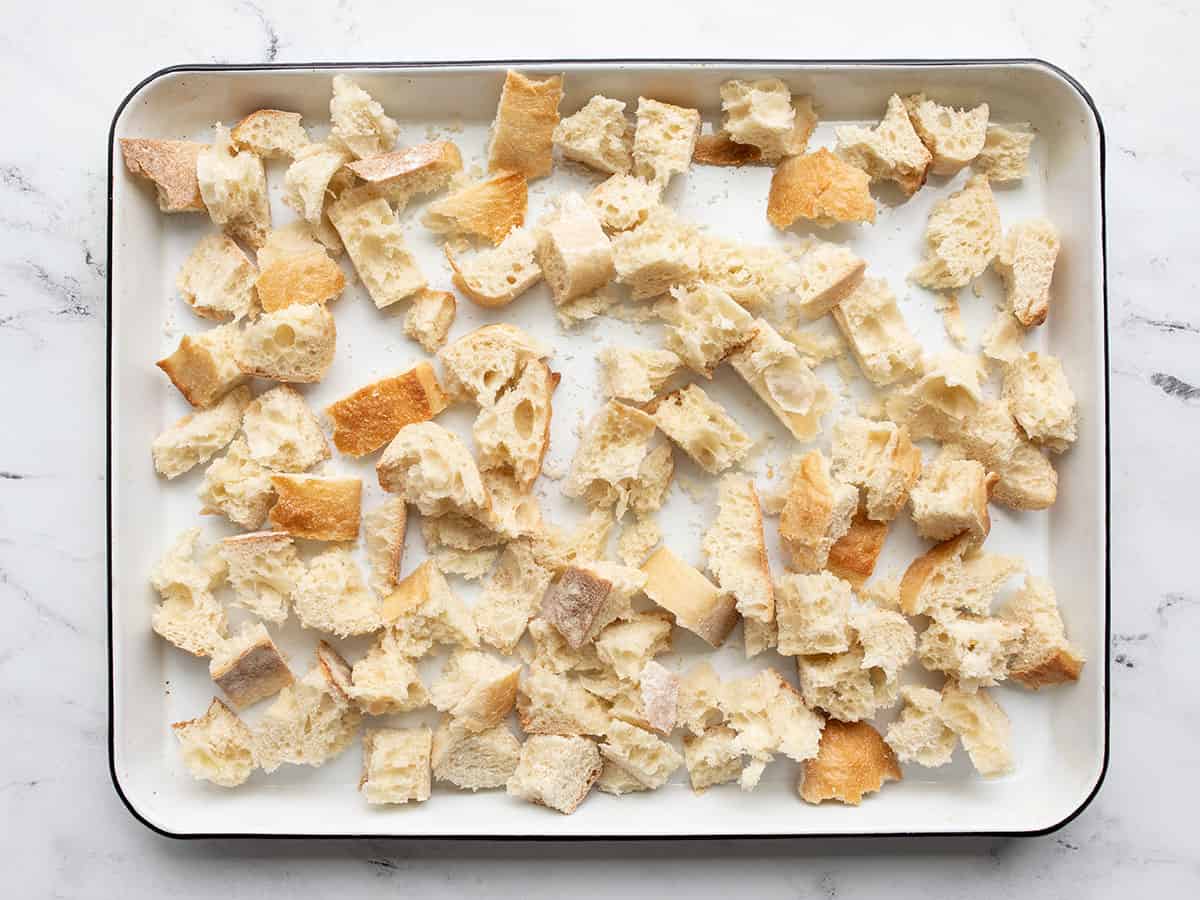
(374, 414)
(423, 610)
(233, 184)
(821, 188)
(386, 681)
(477, 690)
(951, 498)
(204, 366)
(1044, 656)
(264, 571)
(514, 433)
(1041, 400)
(375, 241)
(813, 614)
(920, 735)
(429, 318)
(878, 457)
(282, 433)
(217, 279)
(704, 326)
(523, 133)
(196, 437)
(983, 726)
(573, 251)
(648, 759)
(825, 276)
(431, 468)
(333, 597)
(890, 151)
(313, 176)
(293, 344)
(489, 209)
(736, 549)
(296, 269)
(853, 761)
(497, 277)
(1005, 154)
(384, 528)
(401, 175)
(853, 556)
(634, 374)
(237, 487)
(954, 137)
(954, 575)
(1025, 260)
(597, 136)
(962, 237)
(782, 379)
(712, 757)
(664, 140)
(701, 428)
(359, 122)
(877, 334)
(480, 364)
(270, 133)
(697, 604)
(608, 460)
(474, 761)
(248, 666)
(761, 113)
(816, 513)
(217, 747)
(511, 596)
(396, 765)
(316, 507)
(623, 201)
(171, 167)
(556, 771)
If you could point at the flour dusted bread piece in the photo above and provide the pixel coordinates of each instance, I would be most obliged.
(396, 765)
(375, 242)
(812, 613)
(697, 604)
(188, 615)
(477, 690)
(920, 735)
(522, 138)
(359, 122)
(704, 326)
(608, 460)
(489, 209)
(712, 757)
(384, 529)
(514, 433)
(820, 188)
(496, 277)
(233, 184)
(961, 237)
(736, 548)
(1005, 154)
(1025, 260)
(1043, 654)
(196, 437)
(171, 167)
(248, 666)
(983, 727)
(779, 376)
(891, 151)
(385, 681)
(315, 174)
(424, 611)
(886, 639)
(635, 374)
(623, 202)
(217, 747)
(574, 253)
(480, 364)
(333, 597)
(951, 384)
(878, 457)
(556, 771)
(264, 572)
(553, 703)
(659, 692)
(282, 433)
(844, 686)
(429, 318)
(597, 136)
(217, 279)
(853, 556)
(648, 759)
(761, 113)
(316, 507)
(432, 469)
(954, 575)
(589, 596)
(698, 703)
(293, 344)
(817, 512)
(626, 646)
(951, 498)
(973, 650)
(822, 278)
(373, 415)
(204, 367)
(660, 252)
(664, 140)
(270, 133)
(701, 428)
(237, 487)
(474, 761)
(402, 174)
(295, 269)
(853, 761)
(877, 334)
(769, 717)
(954, 137)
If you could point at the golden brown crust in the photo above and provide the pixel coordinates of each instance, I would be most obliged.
(806, 513)
(310, 277)
(193, 370)
(490, 208)
(419, 162)
(409, 594)
(171, 167)
(921, 569)
(370, 417)
(854, 555)
(1061, 666)
(257, 673)
(721, 150)
(821, 187)
(316, 508)
(853, 761)
(523, 134)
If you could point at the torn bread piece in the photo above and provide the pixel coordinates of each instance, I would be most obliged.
(951, 384)
(359, 122)
(314, 175)
(890, 151)
(432, 469)
(736, 549)
(429, 318)
(779, 376)
(761, 113)
(317, 508)
(171, 167)
(511, 596)
(812, 612)
(954, 137)
(951, 498)
(375, 242)
(649, 491)
(635, 374)
(295, 269)
(973, 650)
(886, 638)
(698, 701)
(704, 326)
(248, 666)
(638, 540)
(373, 415)
(664, 140)
(720, 149)
(424, 611)
(623, 202)
(758, 636)
(514, 433)
(217, 279)
(264, 571)
(983, 727)
(386, 681)
(1043, 654)
(853, 761)
(1025, 260)
(597, 136)
(844, 686)
(628, 644)
(522, 137)
(196, 437)
(396, 765)
(769, 717)
(554, 703)
(820, 188)
(878, 457)
(549, 650)
(697, 604)
(332, 596)
(661, 252)
(816, 513)
(188, 615)
(749, 273)
(477, 690)
(920, 735)
(270, 133)
(217, 747)
(954, 575)
(480, 364)
(293, 344)
(589, 596)
(556, 771)
(401, 175)
(1005, 154)
(233, 184)
(574, 253)
(821, 279)
(384, 528)
(237, 487)
(712, 757)
(879, 337)
(474, 761)
(701, 428)
(608, 460)
(203, 367)
(648, 759)
(962, 237)
(557, 549)
(853, 556)
(616, 781)
(489, 209)
(514, 512)
(659, 691)
(496, 277)
(282, 433)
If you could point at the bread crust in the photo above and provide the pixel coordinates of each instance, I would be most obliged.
(422, 167)
(721, 150)
(854, 554)
(489, 209)
(255, 674)
(193, 369)
(922, 569)
(371, 416)
(853, 761)
(523, 133)
(820, 187)
(573, 602)
(317, 508)
(310, 277)
(1058, 668)
(171, 167)
(697, 604)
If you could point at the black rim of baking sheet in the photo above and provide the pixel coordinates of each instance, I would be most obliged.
(510, 63)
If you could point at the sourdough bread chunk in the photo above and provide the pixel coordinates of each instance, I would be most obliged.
(375, 241)
(316, 507)
(878, 457)
(497, 277)
(769, 717)
(758, 636)
(384, 528)
(877, 334)
(783, 381)
(264, 571)
(737, 551)
(635, 374)
(204, 367)
(702, 429)
(196, 437)
(623, 202)
(597, 136)
(549, 650)
(171, 167)
(616, 781)
(1043, 654)
(476, 689)
(270, 133)
(556, 771)
(853, 556)
(647, 758)
(983, 727)
(188, 615)
(359, 122)
(481, 364)
(954, 136)
(886, 638)
(295, 269)
(424, 611)
(489, 209)
(951, 384)
(649, 492)
(234, 187)
(333, 597)
(761, 113)
(311, 178)
(282, 433)
(293, 344)
(920, 735)
(1025, 260)
(370, 417)
(698, 703)
(396, 765)
(697, 604)
(821, 279)
(237, 487)
(429, 318)
(626, 646)
(821, 188)
(573, 251)
(664, 140)
(552, 703)
(385, 681)
(951, 498)
(587, 597)
(248, 666)
(954, 575)
(1041, 400)
(721, 150)
(853, 761)
(890, 151)
(812, 613)
(432, 469)
(973, 650)
(608, 460)
(704, 326)
(961, 237)
(660, 252)
(217, 279)
(659, 692)
(217, 747)
(1005, 154)
(401, 175)
(474, 761)
(816, 513)
(510, 596)
(712, 757)
(843, 686)
(522, 137)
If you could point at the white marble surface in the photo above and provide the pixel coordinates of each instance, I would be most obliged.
(65, 832)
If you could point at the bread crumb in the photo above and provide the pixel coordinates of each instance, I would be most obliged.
(947, 305)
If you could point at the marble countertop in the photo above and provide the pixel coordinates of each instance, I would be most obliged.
(66, 834)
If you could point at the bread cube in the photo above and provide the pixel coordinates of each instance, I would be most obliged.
(248, 666)
(736, 548)
(961, 237)
(264, 571)
(853, 556)
(660, 252)
(954, 575)
(920, 735)
(663, 140)
(474, 761)
(477, 690)
(597, 136)
(648, 759)
(293, 344)
(761, 113)
(626, 646)
(204, 366)
(556, 771)
(312, 178)
(1041, 400)
(878, 336)
(1043, 654)
(217, 747)
(270, 133)
(623, 202)
(429, 318)
(635, 374)
(496, 277)
(954, 137)
(845, 687)
(983, 727)
(812, 612)
(823, 278)
(554, 703)
(704, 326)
(359, 122)
(489, 209)
(890, 151)
(316, 507)
(608, 460)
(973, 650)
(480, 364)
(217, 279)
(879, 458)
(423, 610)
(333, 597)
(237, 487)
(385, 681)
(233, 184)
(701, 428)
(951, 498)
(522, 137)
(171, 167)
(431, 468)
(820, 188)
(419, 169)
(196, 437)
(375, 242)
(783, 381)
(396, 765)
(1005, 154)
(816, 513)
